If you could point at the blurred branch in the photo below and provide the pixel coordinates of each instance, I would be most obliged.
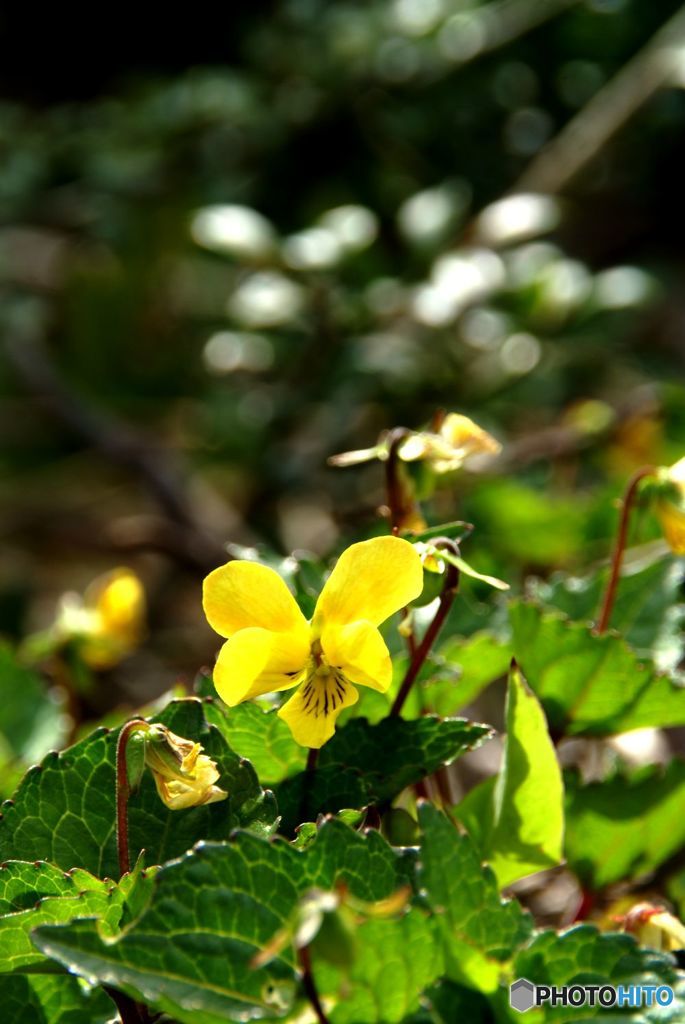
(503, 21)
(119, 443)
(588, 132)
(562, 440)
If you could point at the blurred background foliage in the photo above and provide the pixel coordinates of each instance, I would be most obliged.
(304, 223)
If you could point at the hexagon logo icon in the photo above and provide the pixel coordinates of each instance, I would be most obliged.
(522, 995)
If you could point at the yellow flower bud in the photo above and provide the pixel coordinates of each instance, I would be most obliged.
(106, 623)
(669, 505)
(184, 776)
(653, 926)
(445, 449)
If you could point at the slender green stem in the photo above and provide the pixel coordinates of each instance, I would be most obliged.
(309, 985)
(620, 546)
(123, 793)
(449, 591)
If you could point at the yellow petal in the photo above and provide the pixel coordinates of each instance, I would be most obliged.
(462, 433)
(672, 521)
(243, 594)
(359, 652)
(257, 661)
(371, 580)
(311, 713)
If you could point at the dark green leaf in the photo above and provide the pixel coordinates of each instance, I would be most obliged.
(52, 999)
(189, 953)
(64, 809)
(366, 763)
(583, 955)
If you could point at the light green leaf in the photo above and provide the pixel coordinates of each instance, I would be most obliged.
(260, 736)
(34, 894)
(479, 930)
(40, 893)
(474, 663)
(396, 958)
(528, 811)
(588, 684)
(624, 826)
(468, 570)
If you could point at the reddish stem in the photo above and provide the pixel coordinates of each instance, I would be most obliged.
(620, 546)
(123, 793)
(449, 590)
(130, 1012)
(309, 985)
(393, 483)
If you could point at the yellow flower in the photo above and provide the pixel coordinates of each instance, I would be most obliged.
(457, 439)
(184, 776)
(447, 448)
(107, 622)
(272, 647)
(653, 926)
(669, 506)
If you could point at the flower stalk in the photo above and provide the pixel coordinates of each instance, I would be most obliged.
(184, 776)
(124, 792)
(396, 492)
(449, 590)
(309, 985)
(627, 506)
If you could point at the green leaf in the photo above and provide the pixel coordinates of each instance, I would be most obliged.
(648, 609)
(477, 662)
(588, 684)
(448, 1003)
(624, 826)
(32, 720)
(260, 736)
(456, 530)
(468, 570)
(532, 526)
(64, 809)
(528, 813)
(40, 893)
(479, 930)
(366, 763)
(517, 818)
(583, 955)
(189, 953)
(52, 999)
(34, 894)
(396, 958)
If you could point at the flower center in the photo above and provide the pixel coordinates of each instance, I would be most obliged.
(323, 689)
